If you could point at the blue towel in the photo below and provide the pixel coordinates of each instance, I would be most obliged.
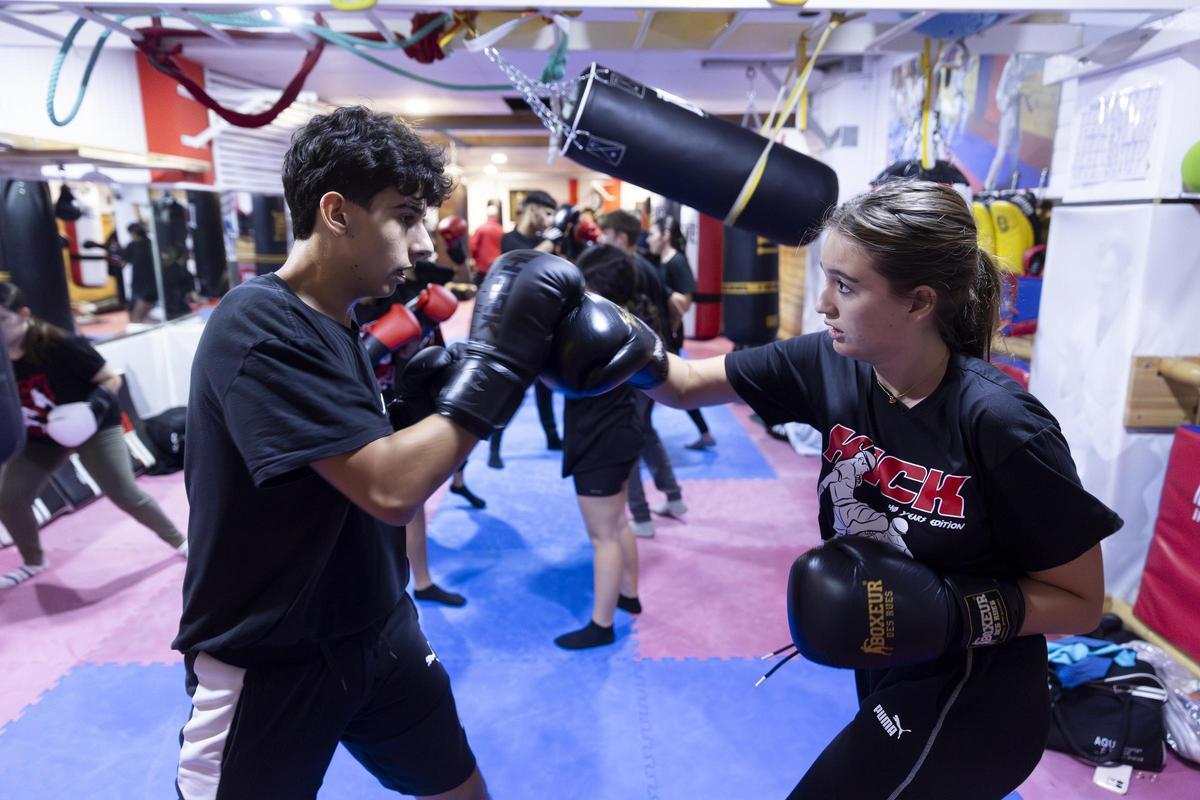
(1078, 659)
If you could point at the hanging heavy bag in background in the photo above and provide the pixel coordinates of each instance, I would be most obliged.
(669, 146)
(750, 289)
(1117, 719)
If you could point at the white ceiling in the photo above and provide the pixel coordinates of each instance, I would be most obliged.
(668, 49)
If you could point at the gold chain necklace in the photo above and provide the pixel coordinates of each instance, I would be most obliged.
(893, 399)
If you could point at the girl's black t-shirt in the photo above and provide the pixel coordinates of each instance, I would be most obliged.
(65, 377)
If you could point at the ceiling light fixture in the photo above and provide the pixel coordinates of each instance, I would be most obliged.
(499, 158)
(490, 169)
(289, 15)
(418, 106)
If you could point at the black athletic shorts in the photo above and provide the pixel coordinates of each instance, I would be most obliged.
(270, 730)
(973, 725)
(602, 481)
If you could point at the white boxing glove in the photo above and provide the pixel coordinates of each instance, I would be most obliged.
(71, 424)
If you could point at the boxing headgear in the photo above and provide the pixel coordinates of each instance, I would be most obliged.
(452, 229)
(566, 216)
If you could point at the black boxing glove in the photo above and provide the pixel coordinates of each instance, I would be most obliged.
(521, 302)
(598, 346)
(859, 603)
(418, 385)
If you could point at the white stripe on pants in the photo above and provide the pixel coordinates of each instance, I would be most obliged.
(213, 705)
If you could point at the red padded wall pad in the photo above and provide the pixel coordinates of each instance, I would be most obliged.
(1170, 591)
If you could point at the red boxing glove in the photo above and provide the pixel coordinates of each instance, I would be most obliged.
(436, 303)
(391, 331)
(587, 232)
(452, 229)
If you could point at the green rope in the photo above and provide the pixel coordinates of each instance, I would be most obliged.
(87, 73)
(556, 65)
(553, 71)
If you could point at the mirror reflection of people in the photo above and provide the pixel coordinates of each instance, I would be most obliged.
(69, 402)
(143, 287)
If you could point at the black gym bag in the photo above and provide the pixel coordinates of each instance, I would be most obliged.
(1117, 719)
(165, 436)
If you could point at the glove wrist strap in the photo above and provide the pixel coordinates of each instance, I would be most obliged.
(993, 610)
(482, 397)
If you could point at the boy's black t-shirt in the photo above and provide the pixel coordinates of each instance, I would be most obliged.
(277, 555)
(976, 478)
(65, 377)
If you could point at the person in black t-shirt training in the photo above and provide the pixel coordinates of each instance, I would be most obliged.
(972, 475)
(534, 231)
(622, 229)
(665, 242)
(602, 437)
(296, 631)
(69, 401)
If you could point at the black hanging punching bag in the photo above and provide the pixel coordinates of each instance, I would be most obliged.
(208, 243)
(750, 289)
(270, 233)
(669, 146)
(33, 251)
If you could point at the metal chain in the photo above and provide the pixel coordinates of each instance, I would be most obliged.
(530, 90)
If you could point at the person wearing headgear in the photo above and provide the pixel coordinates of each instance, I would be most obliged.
(68, 397)
(1001, 543)
(452, 230)
(536, 219)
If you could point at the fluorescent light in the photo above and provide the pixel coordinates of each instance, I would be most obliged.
(265, 14)
(490, 169)
(289, 15)
(499, 158)
(418, 106)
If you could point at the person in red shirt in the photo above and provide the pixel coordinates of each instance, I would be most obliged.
(485, 243)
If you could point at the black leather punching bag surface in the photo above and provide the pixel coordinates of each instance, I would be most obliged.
(208, 243)
(750, 288)
(33, 251)
(270, 233)
(662, 143)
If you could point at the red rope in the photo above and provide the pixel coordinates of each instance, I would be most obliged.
(162, 59)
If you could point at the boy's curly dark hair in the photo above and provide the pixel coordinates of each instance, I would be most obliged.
(358, 154)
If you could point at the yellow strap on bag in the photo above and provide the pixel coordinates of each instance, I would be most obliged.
(1014, 235)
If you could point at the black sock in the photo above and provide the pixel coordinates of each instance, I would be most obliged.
(630, 604)
(592, 635)
(437, 594)
(472, 498)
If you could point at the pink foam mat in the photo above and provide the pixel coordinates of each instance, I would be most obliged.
(112, 594)
(711, 600)
(744, 513)
(1060, 777)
